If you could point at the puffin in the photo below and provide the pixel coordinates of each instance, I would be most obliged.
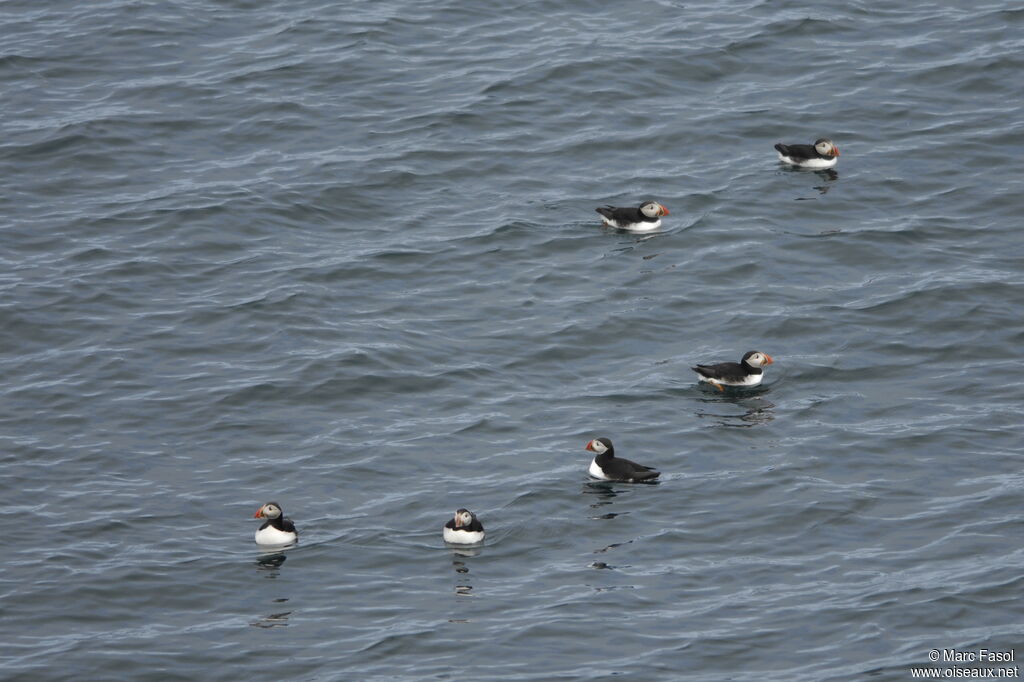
(822, 154)
(645, 218)
(607, 467)
(277, 530)
(747, 372)
(463, 529)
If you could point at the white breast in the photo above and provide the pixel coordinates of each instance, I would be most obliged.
(273, 536)
(815, 164)
(458, 536)
(596, 472)
(633, 227)
(750, 380)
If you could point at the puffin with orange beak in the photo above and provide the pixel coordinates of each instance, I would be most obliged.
(607, 467)
(747, 372)
(464, 529)
(822, 154)
(277, 531)
(643, 219)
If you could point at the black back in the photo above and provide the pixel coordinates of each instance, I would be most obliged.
(625, 216)
(620, 469)
(282, 524)
(801, 152)
(728, 371)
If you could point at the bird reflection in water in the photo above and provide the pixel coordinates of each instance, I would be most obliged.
(757, 409)
(274, 620)
(604, 565)
(827, 176)
(463, 588)
(606, 493)
(271, 563)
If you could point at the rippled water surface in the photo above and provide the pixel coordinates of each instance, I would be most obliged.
(344, 256)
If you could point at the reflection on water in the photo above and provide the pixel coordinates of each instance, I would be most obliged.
(463, 588)
(270, 563)
(826, 176)
(755, 408)
(605, 566)
(274, 620)
(606, 493)
(605, 489)
(463, 584)
(612, 546)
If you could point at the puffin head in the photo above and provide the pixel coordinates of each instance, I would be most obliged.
(600, 445)
(652, 209)
(463, 517)
(756, 358)
(271, 510)
(826, 147)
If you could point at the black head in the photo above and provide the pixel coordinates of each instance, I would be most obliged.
(271, 510)
(826, 147)
(601, 446)
(652, 209)
(464, 517)
(756, 358)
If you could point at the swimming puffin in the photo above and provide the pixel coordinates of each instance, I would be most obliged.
(608, 467)
(822, 154)
(747, 372)
(643, 219)
(277, 530)
(463, 529)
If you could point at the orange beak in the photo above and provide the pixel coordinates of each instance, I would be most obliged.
(768, 359)
(590, 444)
(835, 149)
(258, 514)
(458, 521)
(664, 211)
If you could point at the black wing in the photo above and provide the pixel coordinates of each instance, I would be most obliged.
(620, 215)
(722, 371)
(798, 151)
(629, 470)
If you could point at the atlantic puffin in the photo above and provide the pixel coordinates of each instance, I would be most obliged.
(606, 466)
(463, 529)
(643, 219)
(822, 154)
(277, 530)
(747, 372)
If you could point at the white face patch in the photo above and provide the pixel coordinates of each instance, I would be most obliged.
(271, 511)
(825, 148)
(464, 519)
(598, 447)
(651, 209)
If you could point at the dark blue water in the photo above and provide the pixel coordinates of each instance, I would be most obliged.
(345, 257)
